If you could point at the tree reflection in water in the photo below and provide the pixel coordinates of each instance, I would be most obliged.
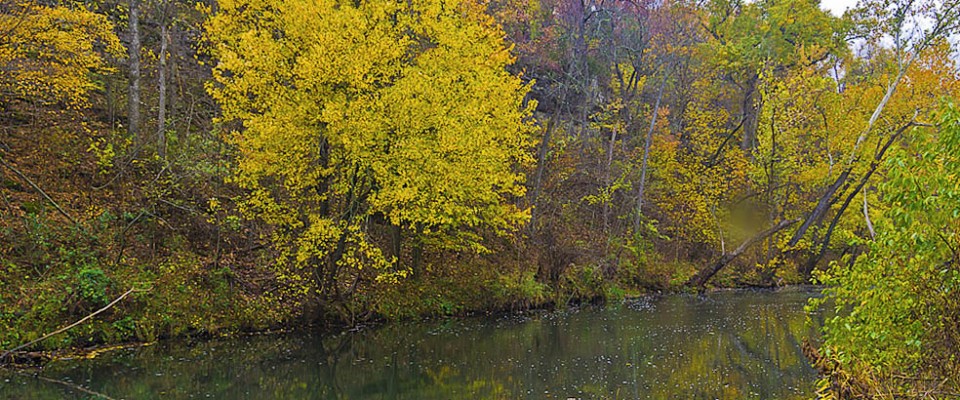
(729, 345)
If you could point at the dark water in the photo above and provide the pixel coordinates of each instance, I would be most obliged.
(731, 345)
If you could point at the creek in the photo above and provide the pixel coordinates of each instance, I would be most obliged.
(726, 345)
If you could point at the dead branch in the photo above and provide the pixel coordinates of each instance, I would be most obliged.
(68, 327)
(37, 188)
(705, 274)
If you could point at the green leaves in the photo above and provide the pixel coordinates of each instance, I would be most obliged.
(895, 302)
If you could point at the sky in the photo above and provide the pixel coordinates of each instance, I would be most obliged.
(837, 7)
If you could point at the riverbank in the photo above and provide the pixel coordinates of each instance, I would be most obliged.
(674, 346)
(134, 316)
(437, 299)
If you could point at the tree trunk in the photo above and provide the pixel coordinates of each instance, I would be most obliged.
(162, 89)
(822, 206)
(110, 84)
(39, 190)
(866, 215)
(646, 155)
(751, 111)
(583, 74)
(704, 275)
(807, 268)
(133, 105)
(542, 162)
(395, 239)
(417, 256)
(607, 179)
(827, 197)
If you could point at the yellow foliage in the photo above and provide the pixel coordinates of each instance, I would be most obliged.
(695, 178)
(358, 110)
(47, 54)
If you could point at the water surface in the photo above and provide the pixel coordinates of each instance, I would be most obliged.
(729, 345)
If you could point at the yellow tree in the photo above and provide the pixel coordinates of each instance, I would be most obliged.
(48, 59)
(914, 28)
(48, 53)
(358, 116)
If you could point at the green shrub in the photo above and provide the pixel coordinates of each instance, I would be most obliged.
(898, 306)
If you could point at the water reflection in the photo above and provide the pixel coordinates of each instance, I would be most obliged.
(730, 345)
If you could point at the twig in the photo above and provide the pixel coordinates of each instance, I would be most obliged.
(866, 216)
(123, 236)
(68, 327)
(177, 206)
(37, 188)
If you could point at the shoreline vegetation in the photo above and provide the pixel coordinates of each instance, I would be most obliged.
(500, 350)
(174, 169)
(27, 360)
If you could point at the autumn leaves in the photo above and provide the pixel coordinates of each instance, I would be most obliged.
(361, 116)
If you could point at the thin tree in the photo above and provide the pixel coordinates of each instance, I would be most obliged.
(133, 105)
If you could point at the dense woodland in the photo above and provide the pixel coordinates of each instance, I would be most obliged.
(240, 165)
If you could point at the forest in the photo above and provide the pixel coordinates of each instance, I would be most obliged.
(198, 169)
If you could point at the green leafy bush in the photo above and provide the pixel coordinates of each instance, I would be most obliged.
(898, 306)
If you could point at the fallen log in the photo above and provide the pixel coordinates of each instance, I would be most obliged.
(15, 350)
(704, 275)
(26, 359)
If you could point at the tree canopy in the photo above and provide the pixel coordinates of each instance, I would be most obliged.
(47, 53)
(254, 163)
(349, 111)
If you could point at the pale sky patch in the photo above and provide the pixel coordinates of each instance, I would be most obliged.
(837, 7)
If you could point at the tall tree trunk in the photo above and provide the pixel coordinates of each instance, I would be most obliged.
(583, 74)
(751, 111)
(133, 107)
(827, 197)
(162, 89)
(646, 155)
(110, 85)
(866, 215)
(37, 188)
(396, 238)
(821, 208)
(807, 268)
(772, 183)
(607, 179)
(416, 258)
(542, 161)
